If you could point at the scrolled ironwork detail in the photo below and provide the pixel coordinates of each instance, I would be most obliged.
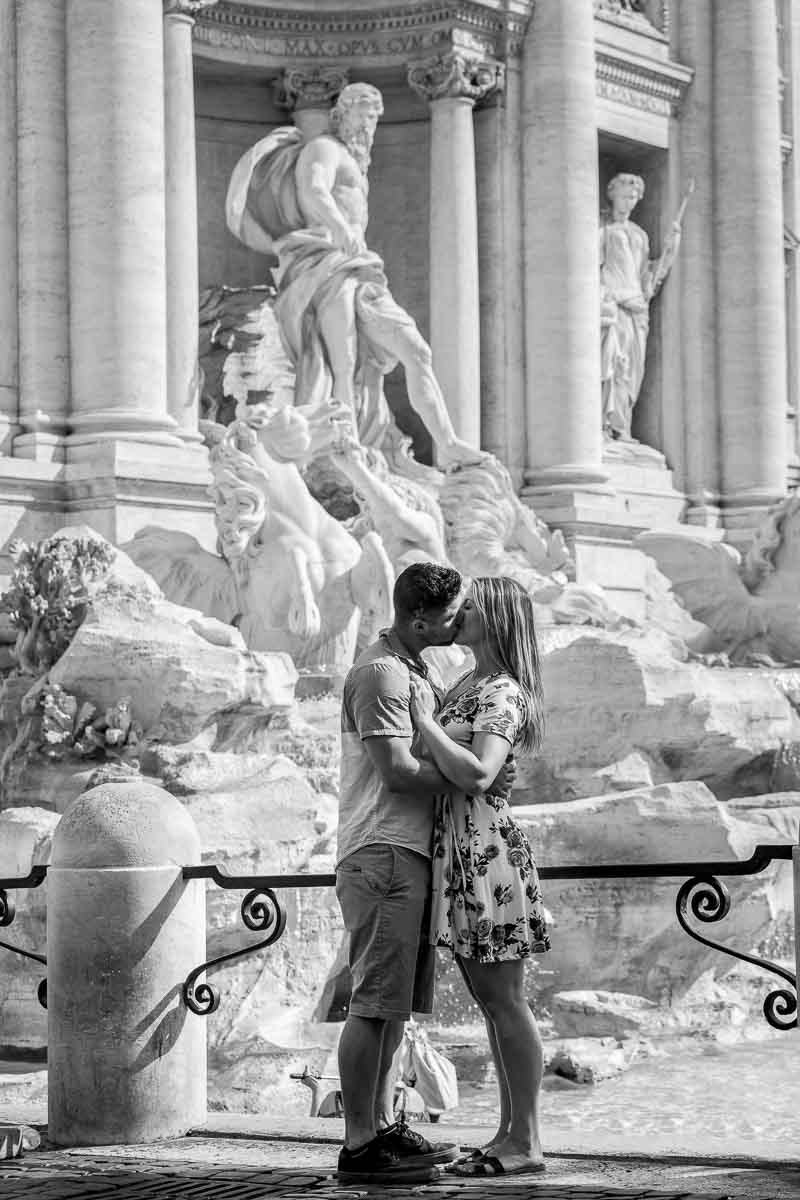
(780, 1009)
(25, 953)
(709, 900)
(204, 999)
(7, 909)
(261, 911)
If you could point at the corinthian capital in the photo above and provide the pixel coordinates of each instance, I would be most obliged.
(455, 74)
(311, 87)
(186, 8)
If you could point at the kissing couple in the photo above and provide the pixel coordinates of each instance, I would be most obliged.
(429, 855)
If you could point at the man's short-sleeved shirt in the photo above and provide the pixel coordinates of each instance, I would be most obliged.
(376, 703)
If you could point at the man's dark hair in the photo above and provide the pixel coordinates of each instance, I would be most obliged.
(424, 586)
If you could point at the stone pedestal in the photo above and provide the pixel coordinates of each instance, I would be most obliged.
(452, 83)
(44, 350)
(748, 228)
(126, 1060)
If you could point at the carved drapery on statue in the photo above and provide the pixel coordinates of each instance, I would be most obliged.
(629, 280)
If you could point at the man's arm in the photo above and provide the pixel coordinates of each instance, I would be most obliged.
(315, 174)
(401, 771)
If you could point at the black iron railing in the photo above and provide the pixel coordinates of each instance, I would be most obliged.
(34, 879)
(702, 896)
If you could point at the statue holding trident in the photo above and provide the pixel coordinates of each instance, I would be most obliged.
(629, 280)
(306, 202)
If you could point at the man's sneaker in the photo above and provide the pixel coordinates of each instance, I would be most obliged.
(412, 1147)
(375, 1163)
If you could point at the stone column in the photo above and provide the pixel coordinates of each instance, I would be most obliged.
(183, 286)
(452, 83)
(562, 274)
(9, 372)
(751, 331)
(499, 178)
(42, 230)
(790, 20)
(117, 252)
(696, 270)
(309, 93)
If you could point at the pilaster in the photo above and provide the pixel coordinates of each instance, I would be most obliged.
(452, 83)
(182, 283)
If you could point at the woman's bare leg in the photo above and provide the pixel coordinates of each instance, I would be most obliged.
(499, 989)
(504, 1120)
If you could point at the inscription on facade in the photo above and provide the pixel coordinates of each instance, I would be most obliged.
(395, 44)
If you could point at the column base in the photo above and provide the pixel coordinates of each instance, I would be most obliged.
(118, 487)
(703, 511)
(122, 425)
(744, 512)
(600, 524)
(643, 481)
(115, 487)
(40, 447)
(586, 477)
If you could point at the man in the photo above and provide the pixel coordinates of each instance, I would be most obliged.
(306, 201)
(383, 875)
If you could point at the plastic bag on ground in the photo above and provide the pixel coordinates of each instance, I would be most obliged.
(426, 1069)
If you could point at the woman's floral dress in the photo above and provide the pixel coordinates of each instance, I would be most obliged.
(487, 903)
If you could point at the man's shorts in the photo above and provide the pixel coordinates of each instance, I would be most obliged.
(385, 895)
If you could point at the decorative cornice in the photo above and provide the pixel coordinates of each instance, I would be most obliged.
(655, 89)
(455, 75)
(186, 8)
(399, 34)
(311, 87)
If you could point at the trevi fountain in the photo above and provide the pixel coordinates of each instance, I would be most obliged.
(429, 320)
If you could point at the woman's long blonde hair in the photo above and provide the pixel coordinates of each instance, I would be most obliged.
(506, 611)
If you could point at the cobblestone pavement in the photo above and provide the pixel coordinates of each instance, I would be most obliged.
(230, 1168)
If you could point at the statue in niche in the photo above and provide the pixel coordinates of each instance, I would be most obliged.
(305, 201)
(629, 280)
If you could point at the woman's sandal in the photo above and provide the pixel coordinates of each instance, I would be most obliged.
(488, 1165)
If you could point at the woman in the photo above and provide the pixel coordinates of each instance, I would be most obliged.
(487, 906)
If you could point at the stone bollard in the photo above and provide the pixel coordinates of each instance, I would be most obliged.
(126, 1059)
